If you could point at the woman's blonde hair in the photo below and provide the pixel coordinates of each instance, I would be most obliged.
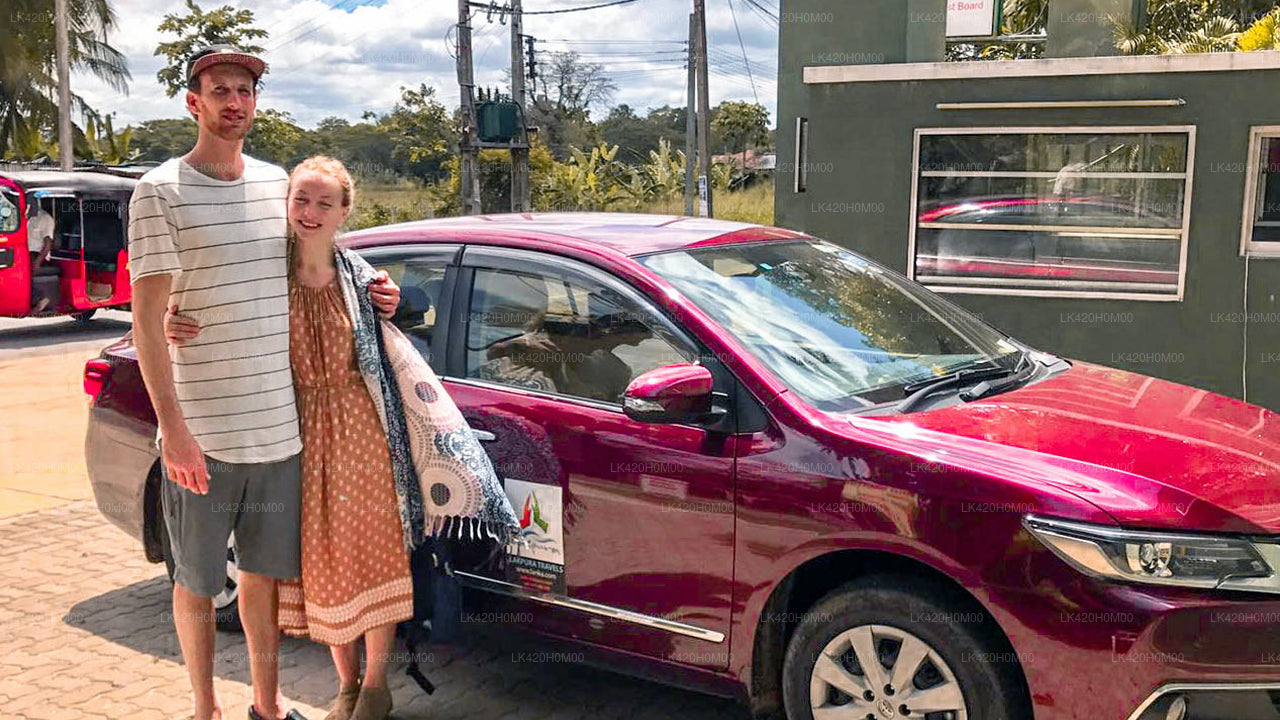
(324, 165)
(332, 167)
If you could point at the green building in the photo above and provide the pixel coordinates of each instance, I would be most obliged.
(1123, 210)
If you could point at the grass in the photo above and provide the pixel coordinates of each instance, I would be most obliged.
(753, 205)
(385, 203)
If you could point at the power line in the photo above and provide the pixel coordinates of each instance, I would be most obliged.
(741, 45)
(579, 9)
(316, 24)
(769, 16)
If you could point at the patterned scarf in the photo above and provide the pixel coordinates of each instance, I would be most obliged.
(466, 496)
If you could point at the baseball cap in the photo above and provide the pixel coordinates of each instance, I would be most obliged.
(216, 54)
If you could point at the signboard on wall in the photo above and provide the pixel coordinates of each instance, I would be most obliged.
(973, 18)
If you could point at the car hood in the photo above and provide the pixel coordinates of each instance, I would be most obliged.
(1151, 453)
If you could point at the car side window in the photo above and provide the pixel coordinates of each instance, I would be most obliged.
(570, 337)
(421, 282)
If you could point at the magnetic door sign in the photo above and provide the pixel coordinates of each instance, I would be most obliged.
(537, 564)
(972, 18)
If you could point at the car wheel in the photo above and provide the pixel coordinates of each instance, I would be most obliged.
(893, 648)
(225, 607)
(83, 318)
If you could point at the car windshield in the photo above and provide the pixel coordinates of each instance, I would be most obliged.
(841, 331)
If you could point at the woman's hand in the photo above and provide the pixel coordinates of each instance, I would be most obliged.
(385, 294)
(179, 328)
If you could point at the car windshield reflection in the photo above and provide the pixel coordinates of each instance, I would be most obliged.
(842, 332)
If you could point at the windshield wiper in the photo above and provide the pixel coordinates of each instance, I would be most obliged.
(986, 388)
(918, 392)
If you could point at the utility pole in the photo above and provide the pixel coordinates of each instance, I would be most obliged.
(704, 110)
(520, 200)
(691, 121)
(63, 60)
(470, 176)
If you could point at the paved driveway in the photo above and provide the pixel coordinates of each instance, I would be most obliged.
(85, 632)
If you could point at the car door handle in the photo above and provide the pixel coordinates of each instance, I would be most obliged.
(483, 435)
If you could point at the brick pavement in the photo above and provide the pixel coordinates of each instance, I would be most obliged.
(85, 635)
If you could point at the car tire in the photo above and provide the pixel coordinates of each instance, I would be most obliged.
(964, 672)
(225, 605)
(83, 318)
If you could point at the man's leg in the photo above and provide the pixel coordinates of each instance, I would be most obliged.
(198, 527)
(39, 301)
(193, 619)
(259, 611)
(268, 539)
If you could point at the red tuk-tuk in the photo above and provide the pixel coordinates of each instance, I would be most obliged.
(90, 242)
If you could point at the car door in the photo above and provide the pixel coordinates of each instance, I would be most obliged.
(629, 525)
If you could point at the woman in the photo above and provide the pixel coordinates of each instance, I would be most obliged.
(355, 579)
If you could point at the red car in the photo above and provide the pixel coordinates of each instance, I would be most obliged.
(758, 464)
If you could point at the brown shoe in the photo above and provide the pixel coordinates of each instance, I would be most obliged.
(374, 704)
(40, 306)
(345, 704)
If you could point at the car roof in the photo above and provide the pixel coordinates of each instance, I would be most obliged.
(75, 180)
(627, 234)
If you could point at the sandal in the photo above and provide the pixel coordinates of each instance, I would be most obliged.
(374, 704)
(345, 704)
(291, 715)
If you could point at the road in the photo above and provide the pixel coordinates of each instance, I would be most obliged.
(42, 407)
(85, 620)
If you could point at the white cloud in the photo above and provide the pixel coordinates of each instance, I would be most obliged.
(343, 57)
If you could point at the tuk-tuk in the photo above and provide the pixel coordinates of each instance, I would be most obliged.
(90, 242)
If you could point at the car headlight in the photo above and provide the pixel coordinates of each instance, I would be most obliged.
(1159, 558)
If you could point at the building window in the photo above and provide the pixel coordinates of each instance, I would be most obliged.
(1261, 232)
(1058, 212)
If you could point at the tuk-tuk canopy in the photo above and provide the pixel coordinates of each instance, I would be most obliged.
(80, 182)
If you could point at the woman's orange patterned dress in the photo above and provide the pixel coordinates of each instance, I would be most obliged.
(355, 571)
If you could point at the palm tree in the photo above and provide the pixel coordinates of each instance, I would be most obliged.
(1190, 26)
(28, 79)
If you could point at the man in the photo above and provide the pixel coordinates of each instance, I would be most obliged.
(40, 227)
(207, 236)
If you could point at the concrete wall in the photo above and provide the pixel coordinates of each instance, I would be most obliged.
(860, 178)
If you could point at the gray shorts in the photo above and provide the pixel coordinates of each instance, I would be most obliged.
(260, 502)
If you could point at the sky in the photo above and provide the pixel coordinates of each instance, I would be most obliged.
(343, 57)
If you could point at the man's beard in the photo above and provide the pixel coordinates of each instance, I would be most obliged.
(226, 131)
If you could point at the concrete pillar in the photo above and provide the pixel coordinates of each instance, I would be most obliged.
(926, 30)
(1086, 28)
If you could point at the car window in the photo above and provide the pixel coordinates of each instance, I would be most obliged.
(561, 336)
(9, 216)
(421, 282)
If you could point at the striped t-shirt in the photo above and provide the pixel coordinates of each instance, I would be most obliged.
(224, 243)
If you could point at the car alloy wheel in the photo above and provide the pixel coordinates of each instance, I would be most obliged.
(226, 600)
(879, 672)
(900, 647)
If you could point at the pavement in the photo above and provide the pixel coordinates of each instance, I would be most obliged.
(42, 445)
(85, 624)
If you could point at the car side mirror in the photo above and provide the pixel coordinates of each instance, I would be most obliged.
(671, 394)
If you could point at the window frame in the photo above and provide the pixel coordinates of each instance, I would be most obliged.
(1184, 230)
(1248, 247)
(533, 262)
(450, 255)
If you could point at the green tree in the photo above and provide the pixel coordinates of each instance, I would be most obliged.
(419, 129)
(28, 79)
(196, 29)
(1189, 26)
(159, 140)
(739, 125)
(103, 144)
(564, 93)
(275, 138)
(640, 136)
